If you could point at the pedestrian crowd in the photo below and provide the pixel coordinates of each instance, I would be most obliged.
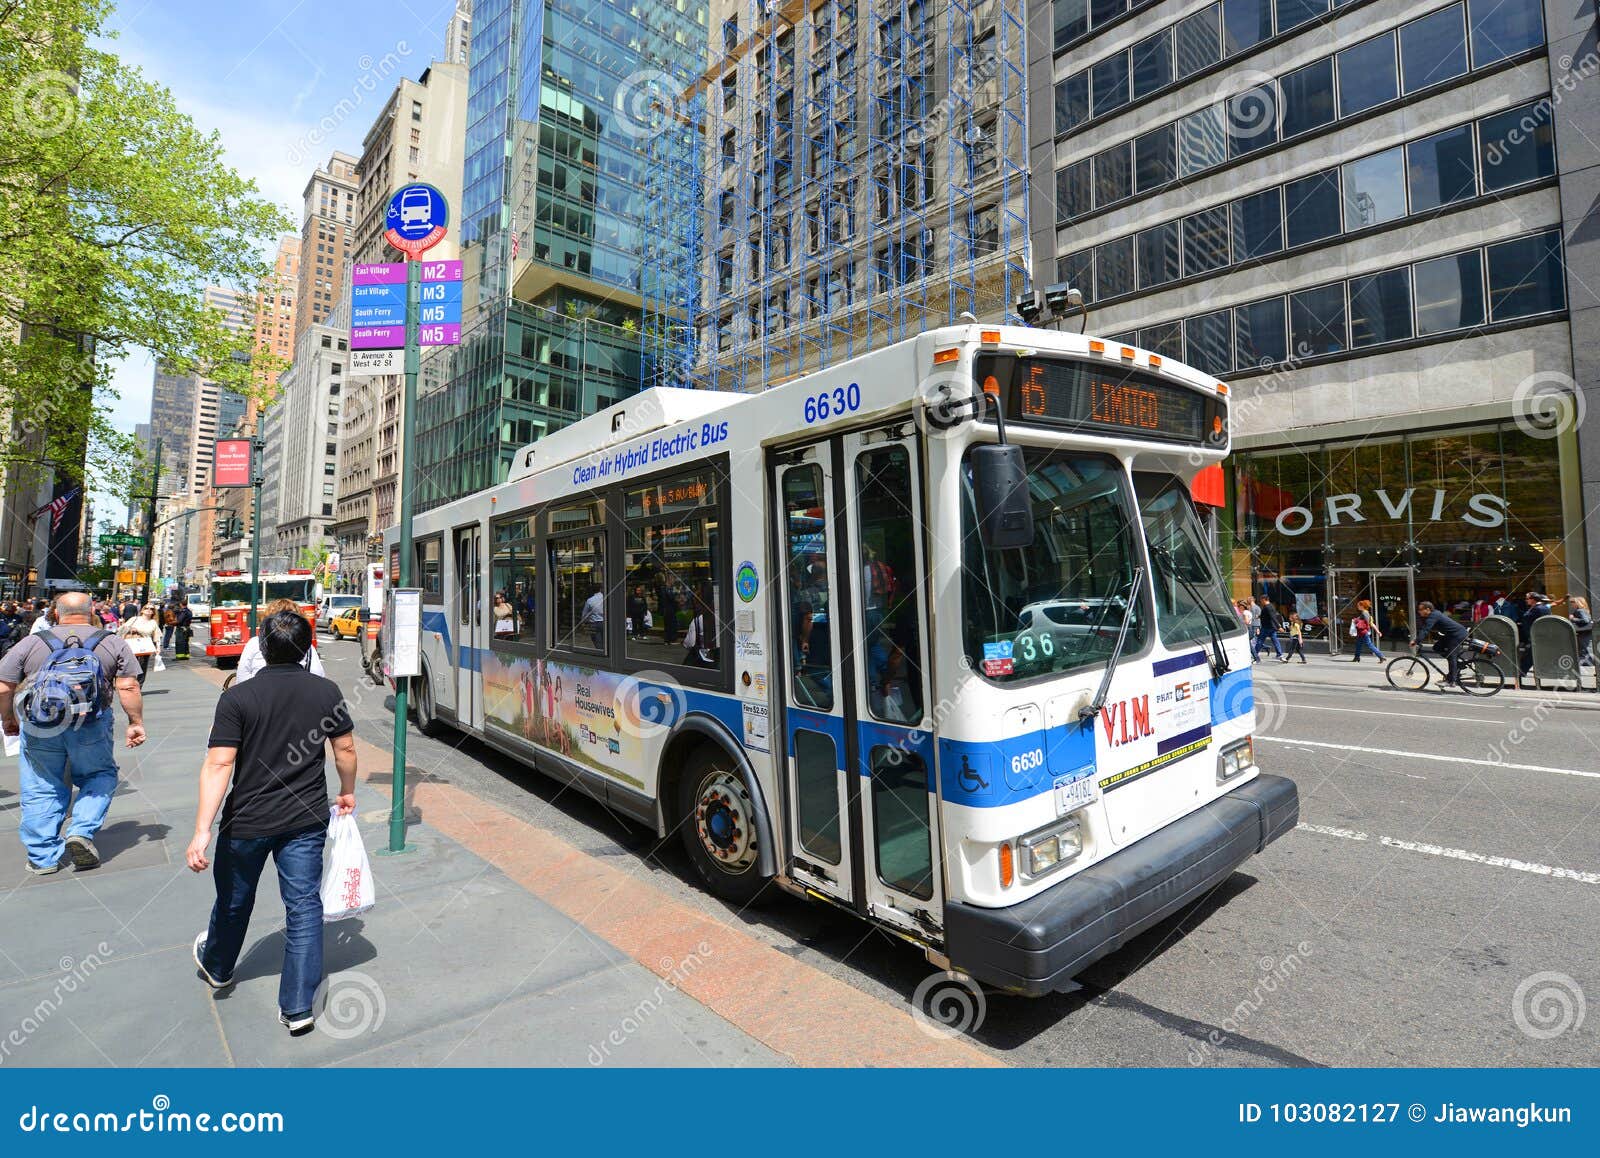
(1267, 628)
(263, 783)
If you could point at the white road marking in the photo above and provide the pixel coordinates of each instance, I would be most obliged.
(1433, 756)
(1402, 715)
(1543, 870)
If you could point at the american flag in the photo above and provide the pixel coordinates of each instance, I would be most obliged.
(57, 508)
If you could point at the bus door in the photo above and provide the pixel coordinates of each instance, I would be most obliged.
(888, 600)
(822, 820)
(468, 626)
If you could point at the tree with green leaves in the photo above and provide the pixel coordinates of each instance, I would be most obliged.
(116, 212)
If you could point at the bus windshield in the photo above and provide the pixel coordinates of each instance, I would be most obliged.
(1059, 603)
(1188, 590)
(236, 592)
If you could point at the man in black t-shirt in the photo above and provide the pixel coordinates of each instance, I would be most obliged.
(268, 737)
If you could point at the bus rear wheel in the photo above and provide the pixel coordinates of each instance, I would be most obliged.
(717, 820)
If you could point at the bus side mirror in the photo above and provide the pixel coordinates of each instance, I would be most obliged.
(1000, 494)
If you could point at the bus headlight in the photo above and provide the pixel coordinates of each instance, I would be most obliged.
(1048, 849)
(1234, 759)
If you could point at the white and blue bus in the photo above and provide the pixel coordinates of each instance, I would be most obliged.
(936, 636)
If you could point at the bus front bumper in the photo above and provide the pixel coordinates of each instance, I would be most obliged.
(1039, 945)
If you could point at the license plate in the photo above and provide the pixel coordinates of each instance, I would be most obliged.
(1072, 795)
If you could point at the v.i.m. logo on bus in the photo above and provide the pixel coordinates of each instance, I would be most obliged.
(1126, 721)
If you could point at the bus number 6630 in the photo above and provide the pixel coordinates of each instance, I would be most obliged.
(829, 403)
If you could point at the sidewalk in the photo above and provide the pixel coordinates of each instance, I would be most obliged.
(456, 965)
(492, 943)
(1339, 671)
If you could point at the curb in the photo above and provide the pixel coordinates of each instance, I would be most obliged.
(1518, 695)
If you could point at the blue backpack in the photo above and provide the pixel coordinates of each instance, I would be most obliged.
(72, 688)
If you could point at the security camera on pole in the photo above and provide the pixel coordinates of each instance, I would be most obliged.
(384, 321)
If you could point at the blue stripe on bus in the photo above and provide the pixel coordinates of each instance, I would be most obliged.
(988, 774)
(875, 736)
(1232, 696)
(437, 621)
(1174, 742)
(1174, 663)
(830, 726)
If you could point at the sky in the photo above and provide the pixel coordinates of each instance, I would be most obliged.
(270, 76)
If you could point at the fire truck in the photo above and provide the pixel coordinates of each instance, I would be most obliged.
(230, 607)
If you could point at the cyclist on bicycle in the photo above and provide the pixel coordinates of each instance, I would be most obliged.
(1451, 636)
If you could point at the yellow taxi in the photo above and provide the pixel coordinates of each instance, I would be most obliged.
(347, 624)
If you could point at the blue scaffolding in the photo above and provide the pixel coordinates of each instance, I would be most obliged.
(843, 174)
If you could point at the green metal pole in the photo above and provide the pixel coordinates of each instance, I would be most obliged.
(149, 530)
(408, 415)
(255, 531)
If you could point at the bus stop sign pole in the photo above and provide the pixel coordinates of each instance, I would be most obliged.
(408, 413)
(415, 222)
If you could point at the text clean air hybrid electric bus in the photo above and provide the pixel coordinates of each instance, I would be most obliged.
(935, 636)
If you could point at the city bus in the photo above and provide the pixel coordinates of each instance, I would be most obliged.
(936, 636)
(229, 615)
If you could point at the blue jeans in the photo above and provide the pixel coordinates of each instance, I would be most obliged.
(90, 754)
(1264, 637)
(1368, 642)
(236, 870)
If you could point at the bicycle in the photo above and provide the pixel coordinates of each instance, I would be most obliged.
(1412, 673)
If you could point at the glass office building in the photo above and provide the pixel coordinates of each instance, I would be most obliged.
(1363, 216)
(551, 220)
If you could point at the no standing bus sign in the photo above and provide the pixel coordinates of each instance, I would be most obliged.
(416, 219)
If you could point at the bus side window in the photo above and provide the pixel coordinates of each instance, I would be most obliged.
(578, 595)
(805, 517)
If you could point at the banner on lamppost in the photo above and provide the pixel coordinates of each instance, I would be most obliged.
(231, 463)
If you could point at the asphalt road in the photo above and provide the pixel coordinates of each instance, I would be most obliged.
(1428, 911)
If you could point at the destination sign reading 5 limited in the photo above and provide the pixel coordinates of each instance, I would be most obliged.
(1092, 396)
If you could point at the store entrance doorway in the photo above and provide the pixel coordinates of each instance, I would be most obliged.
(1392, 593)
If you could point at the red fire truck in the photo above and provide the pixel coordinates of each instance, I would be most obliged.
(230, 607)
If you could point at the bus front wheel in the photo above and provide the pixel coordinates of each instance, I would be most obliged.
(717, 820)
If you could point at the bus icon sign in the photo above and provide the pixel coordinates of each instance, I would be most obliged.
(416, 219)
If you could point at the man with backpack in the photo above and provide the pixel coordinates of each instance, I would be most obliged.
(64, 718)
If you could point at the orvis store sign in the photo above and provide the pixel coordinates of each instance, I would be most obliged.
(1411, 505)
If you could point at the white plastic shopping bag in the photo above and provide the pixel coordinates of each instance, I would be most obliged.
(159, 664)
(346, 875)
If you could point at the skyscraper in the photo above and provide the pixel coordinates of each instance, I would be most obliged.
(551, 220)
(458, 35)
(838, 175)
(325, 240)
(274, 345)
(1372, 219)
